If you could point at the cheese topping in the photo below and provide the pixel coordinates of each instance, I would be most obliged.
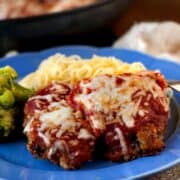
(28, 126)
(121, 139)
(58, 145)
(44, 137)
(62, 116)
(58, 117)
(107, 96)
(84, 134)
(48, 97)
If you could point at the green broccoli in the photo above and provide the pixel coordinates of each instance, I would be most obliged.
(19, 92)
(9, 72)
(6, 121)
(12, 99)
(7, 99)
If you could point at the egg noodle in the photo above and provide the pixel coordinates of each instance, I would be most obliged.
(71, 69)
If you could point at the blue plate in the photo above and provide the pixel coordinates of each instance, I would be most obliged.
(17, 163)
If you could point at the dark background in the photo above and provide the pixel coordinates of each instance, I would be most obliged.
(137, 11)
(148, 10)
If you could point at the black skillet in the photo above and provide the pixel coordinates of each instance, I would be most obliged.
(68, 27)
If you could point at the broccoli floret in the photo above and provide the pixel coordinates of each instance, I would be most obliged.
(6, 121)
(12, 99)
(20, 93)
(8, 72)
(7, 99)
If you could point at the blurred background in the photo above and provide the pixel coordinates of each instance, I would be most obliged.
(143, 10)
(100, 25)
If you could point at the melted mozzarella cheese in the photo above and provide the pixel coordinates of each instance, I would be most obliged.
(47, 97)
(58, 145)
(61, 117)
(121, 139)
(54, 105)
(84, 134)
(28, 126)
(97, 123)
(58, 88)
(107, 96)
(44, 137)
(57, 117)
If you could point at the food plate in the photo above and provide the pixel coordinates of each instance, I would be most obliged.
(17, 163)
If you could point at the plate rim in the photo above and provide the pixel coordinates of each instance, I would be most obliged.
(93, 48)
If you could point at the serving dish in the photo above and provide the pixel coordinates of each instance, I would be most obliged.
(57, 28)
(17, 162)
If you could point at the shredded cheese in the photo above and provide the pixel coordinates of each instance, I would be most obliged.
(106, 96)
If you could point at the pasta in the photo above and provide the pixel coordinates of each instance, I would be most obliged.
(71, 69)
